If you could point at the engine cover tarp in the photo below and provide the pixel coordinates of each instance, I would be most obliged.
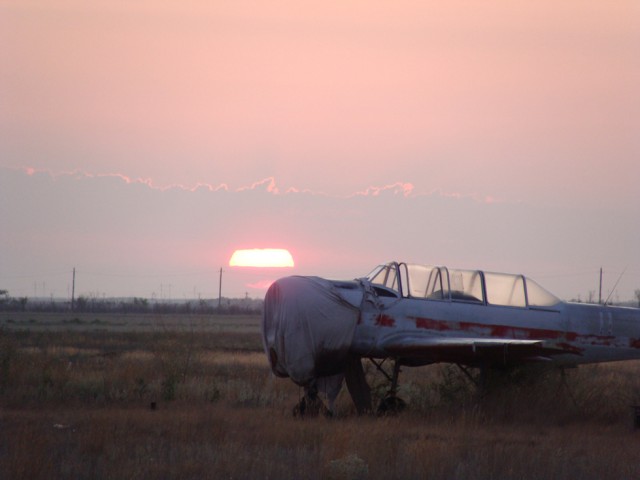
(307, 328)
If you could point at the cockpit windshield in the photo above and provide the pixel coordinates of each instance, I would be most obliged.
(538, 296)
(475, 286)
(385, 275)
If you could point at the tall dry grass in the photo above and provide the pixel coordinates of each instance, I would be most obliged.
(77, 404)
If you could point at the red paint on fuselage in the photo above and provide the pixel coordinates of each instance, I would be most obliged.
(570, 348)
(521, 333)
(385, 321)
(489, 330)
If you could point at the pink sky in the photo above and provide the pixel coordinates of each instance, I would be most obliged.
(532, 102)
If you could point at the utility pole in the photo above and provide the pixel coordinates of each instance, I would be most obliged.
(73, 289)
(220, 290)
(600, 294)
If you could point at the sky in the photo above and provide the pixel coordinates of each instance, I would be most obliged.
(143, 142)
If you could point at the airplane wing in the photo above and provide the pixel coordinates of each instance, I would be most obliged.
(470, 351)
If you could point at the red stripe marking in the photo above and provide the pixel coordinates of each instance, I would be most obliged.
(521, 333)
(385, 321)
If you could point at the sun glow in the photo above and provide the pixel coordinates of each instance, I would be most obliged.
(261, 257)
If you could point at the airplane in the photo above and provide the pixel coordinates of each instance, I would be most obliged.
(317, 332)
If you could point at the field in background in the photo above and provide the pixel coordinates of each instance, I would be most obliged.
(169, 396)
(132, 322)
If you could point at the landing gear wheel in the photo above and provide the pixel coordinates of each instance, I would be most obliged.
(310, 404)
(391, 405)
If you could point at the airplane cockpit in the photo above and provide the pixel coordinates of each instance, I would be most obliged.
(472, 286)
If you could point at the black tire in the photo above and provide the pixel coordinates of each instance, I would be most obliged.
(391, 405)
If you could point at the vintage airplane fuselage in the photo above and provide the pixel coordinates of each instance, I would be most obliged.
(570, 333)
(423, 315)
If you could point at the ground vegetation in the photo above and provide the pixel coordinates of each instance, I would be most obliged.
(175, 396)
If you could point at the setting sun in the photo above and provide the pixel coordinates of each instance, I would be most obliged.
(261, 257)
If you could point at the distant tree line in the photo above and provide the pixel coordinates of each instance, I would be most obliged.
(94, 304)
(228, 306)
(8, 303)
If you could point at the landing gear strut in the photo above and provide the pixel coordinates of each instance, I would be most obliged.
(391, 404)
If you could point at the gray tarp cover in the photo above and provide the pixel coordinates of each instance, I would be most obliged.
(307, 328)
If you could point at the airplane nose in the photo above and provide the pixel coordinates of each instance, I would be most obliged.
(307, 328)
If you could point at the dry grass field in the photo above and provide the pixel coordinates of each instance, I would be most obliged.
(76, 395)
